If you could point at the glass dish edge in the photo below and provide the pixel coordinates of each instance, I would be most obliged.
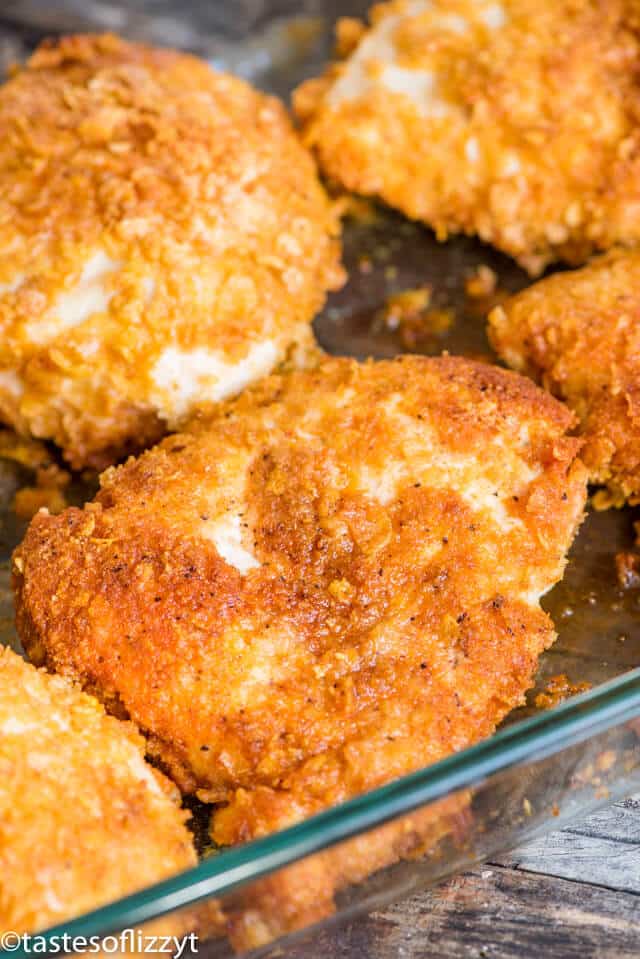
(569, 723)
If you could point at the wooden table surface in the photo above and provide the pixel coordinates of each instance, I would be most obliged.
(572, 893)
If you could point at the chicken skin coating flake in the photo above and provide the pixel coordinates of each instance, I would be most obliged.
(329, 581)
(84, 819)
(515, 120)
(164, 240)
(579, 334)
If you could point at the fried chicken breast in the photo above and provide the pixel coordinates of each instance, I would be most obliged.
(516, 120)
(579, 334)
(164, 240)
(309, 591)
(83, 818)
(326, 583)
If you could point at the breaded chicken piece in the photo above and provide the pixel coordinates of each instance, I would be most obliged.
(83, 818)
(579, 334)
(330, 582)
(164, 240)
(517, 120)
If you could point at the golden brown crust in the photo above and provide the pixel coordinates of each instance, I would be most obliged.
(83, 818)
(328, 582)
(579, 334)
(334, 481)
(521, 124)
(190, 196)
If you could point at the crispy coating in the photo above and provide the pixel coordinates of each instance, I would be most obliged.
(516, 120)
(330, 581)
(579, 334)
(163, 239)
(83, 818)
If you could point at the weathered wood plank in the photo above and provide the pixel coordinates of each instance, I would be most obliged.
(605, 862)
(603, 850)
(549, 897)
(492, 913)
(619, 821)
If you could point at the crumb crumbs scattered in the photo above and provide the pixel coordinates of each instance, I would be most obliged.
(483, 292)
(411, 315)
(482, 283)
(48, 492)
(628, 570)
(557, 690)
(406, 305)
(50, 479)
(608, 499)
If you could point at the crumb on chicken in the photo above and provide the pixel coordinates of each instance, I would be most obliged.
(482, 283)
(164, 239)
(84, 819)
(578, 333)
(516, 120)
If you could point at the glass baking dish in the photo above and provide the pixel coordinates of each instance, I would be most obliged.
(545, 766)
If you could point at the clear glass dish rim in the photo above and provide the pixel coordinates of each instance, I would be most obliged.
(607, 705)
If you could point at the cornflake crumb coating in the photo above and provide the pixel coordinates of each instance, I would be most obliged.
(329, 582)
(579, 334)
(163, 239)
(83, 818)
(515, 120)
